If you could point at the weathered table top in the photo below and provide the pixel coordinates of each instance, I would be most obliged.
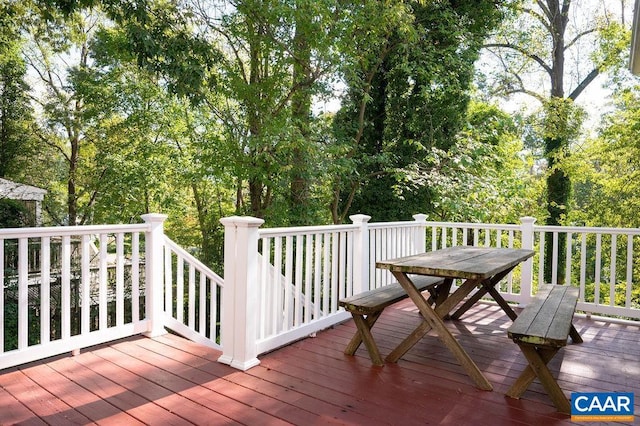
(459, 262)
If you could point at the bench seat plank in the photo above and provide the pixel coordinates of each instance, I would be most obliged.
(377, 299)
(367, 306)
(547, 320)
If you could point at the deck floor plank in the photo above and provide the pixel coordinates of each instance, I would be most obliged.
(44, 404)
(14, 411)
(104, 383)
(224, 381)
(81, 399)
(171, 381)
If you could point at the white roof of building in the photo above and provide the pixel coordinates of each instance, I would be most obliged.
(19, 191)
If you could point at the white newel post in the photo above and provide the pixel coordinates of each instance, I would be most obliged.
(420, 241)
(526, 227)
(240, 292)
(361, 253)
(154, 272)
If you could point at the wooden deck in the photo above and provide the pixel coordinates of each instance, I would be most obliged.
(169, 380)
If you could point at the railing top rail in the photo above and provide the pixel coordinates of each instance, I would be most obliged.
(304, 230)
(587, 230)
(406, 224)
(54, 231)
(192, 260)
(504, 226)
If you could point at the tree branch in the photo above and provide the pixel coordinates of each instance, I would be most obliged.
(540, 18)
(524, 91)
(578, 37)
(521, 50)
(584, 83)
(545, 9)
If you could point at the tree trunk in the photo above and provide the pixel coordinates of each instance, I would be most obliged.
(558, 182)
(299, 206)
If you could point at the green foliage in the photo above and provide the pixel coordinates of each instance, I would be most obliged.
(606, 169)
(619, 293)
(561, 119)
(15, 111)
(13, 214)
(201, 113)
(614, 41)
(406, 105)
(485, 176)
(160, 35)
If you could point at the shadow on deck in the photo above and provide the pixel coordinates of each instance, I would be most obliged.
(169, 380)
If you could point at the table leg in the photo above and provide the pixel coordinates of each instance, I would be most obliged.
(441, 309)
(443, 291)
(434, 320)
(503, 303)
(575, 336)
(469, 303)
(488, 286)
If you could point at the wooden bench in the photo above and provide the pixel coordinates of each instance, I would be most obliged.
(366, 308)
(540, 331)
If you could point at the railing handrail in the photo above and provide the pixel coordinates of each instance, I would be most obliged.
(475, 225)
(303, 230)
(188, 257)
(586, 230)
(59, 231)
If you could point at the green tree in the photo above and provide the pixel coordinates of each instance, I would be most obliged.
(15, 111)
(256, 65)
(58, 54)
(485, 176)
(412, 101)
(13, 214)
(155, 150)
(564, 56)
(606, 173)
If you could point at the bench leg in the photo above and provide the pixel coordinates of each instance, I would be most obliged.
(528, 375)
(364, 335)
(538, 359)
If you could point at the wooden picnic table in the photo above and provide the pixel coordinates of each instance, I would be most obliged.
(479, 267)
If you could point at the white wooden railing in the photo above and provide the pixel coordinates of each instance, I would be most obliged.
(93, 284)
(59, 307)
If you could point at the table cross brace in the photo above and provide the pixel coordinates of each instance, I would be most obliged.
(433, 320)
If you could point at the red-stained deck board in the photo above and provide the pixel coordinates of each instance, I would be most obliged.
(169, 380)
(86, 403)
(214, 390)
(112, 392)
(397, 389)
(14, 412)
(40, 401)
(290, 401)
(151, 398)
(165, 388)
